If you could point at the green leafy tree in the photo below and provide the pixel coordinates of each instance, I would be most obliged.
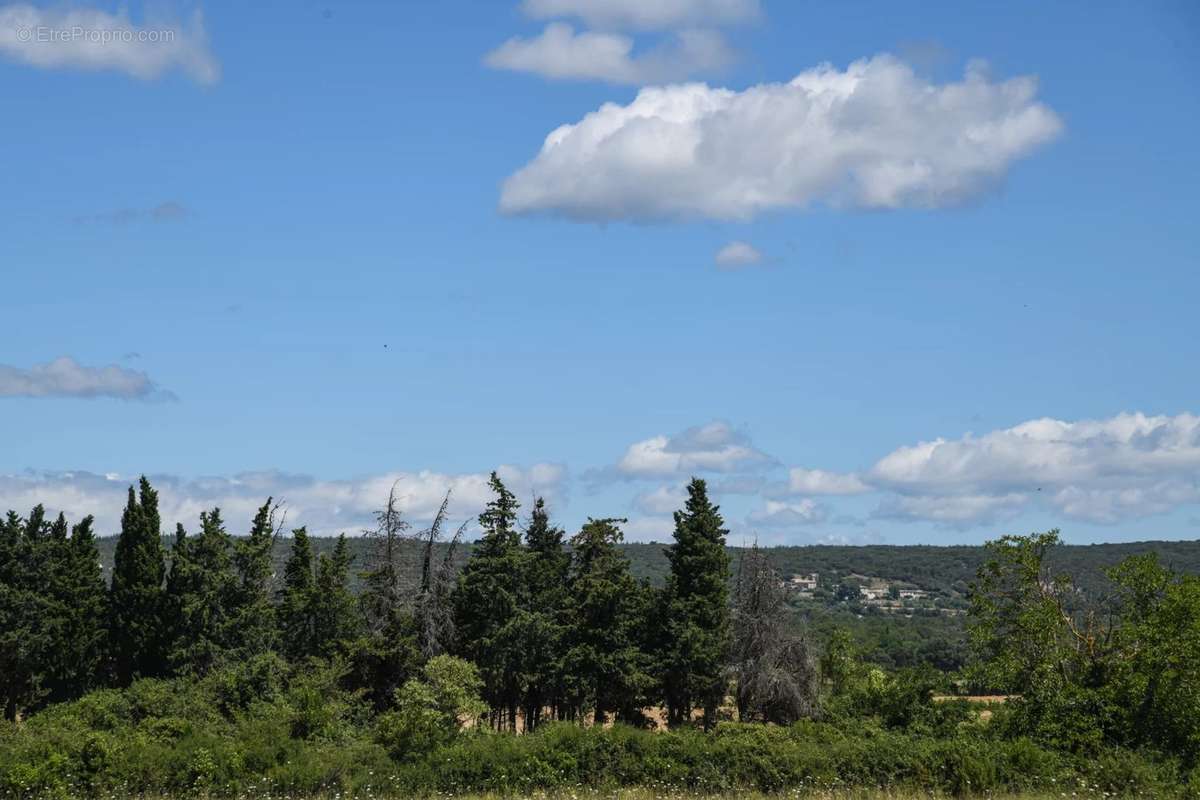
(841, 663)
(430, 711)
(488, 600)
(696, 633)
(1034, 635)
(135, 599)
(1155, 671)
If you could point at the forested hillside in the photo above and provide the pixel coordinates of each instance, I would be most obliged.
(948, 569)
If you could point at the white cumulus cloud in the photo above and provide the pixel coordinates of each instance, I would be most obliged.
(65, 377)
(90, 39)
(1104, 470)
(875, 135)
(714, 447)
(326, 507)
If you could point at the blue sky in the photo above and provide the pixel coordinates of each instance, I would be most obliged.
(314, 249)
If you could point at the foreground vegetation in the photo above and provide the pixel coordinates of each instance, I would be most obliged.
(542, 664)
(257, 729)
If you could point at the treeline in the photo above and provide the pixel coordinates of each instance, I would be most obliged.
(558, 628)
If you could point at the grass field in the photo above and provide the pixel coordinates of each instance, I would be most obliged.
(650, 794)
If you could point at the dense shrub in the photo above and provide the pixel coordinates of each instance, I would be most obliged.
(167, 738)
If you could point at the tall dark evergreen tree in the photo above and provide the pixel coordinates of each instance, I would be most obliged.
(179, 579)
(605, 669)
(296, 625)
(696, 634)
(543, 622)
(317, 614)
(25, 636)
(332, 608)
(490, 594)
(51, 611)
(76, 594)
(203, 588)
(253, 613)
(135, 599)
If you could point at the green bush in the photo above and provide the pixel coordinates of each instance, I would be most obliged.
(431, 712)
(312, 738)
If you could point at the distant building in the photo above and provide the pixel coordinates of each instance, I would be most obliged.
(804, 583)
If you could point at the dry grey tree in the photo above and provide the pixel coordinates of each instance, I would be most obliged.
(410, 577)
(432, 608)
(776, 675)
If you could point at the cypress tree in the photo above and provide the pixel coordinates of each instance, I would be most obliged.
(26, 640)
(696, 633)
(76, 595)
(489, 597)
(605, 667)
(296, 634)
(253, 613)
(11, 618)
(334, 616)
(543, 624)
(179, 579)
(204, 590)
(135, 598)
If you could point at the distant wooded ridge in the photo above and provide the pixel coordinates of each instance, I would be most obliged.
(932, 567)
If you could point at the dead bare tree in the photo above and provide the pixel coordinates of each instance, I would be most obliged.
(383, 597)
(776, 674)
(431, 607)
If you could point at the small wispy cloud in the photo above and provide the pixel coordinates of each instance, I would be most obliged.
(675, 40)
(94, 40)
(166, 211)
(65, 377)
(643, 15)
(738, 255)
(560, 53)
